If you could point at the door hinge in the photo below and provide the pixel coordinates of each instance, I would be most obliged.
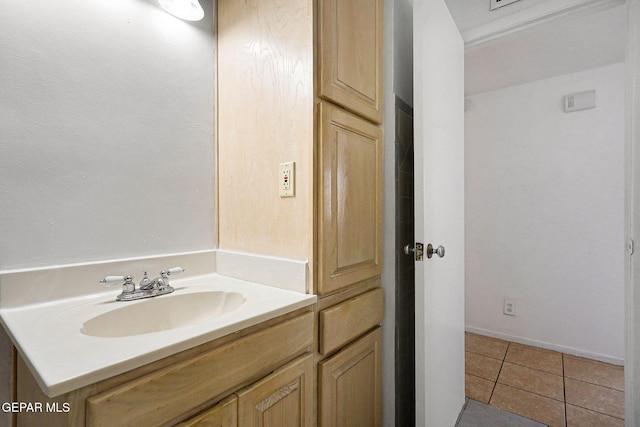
(630, 246)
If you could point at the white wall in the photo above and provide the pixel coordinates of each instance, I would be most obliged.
(545, 214)
(106, 143)
(398, 80)
(548, 49)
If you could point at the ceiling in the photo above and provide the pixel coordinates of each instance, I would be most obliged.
(553, 47)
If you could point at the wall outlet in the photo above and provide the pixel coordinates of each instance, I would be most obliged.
(509, 307)
(287, 179)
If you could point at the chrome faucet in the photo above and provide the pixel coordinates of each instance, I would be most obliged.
(160, 282)
(147, 289)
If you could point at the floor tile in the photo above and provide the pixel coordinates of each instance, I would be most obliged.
(597, 398)
(486, 346)
(482, 366)
(476, 414)
(532, 380)
(594, 372)
(529, 405)
(580, 417)
(536, 358)
(477, 388)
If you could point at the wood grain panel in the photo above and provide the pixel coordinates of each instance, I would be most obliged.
(28, 390)
(224, 414)
(351, 61)
(265, 116)
(283, 399)
(350, 385)
(346, 321)
(350, 200)
(166, 394)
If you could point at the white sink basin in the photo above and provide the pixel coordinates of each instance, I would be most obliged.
(71, 343)
(162, 313)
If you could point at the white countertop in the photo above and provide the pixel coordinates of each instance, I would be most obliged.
(63, 359)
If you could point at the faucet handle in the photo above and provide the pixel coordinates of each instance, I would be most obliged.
(127, 287)
(111, 280)
(163, 281)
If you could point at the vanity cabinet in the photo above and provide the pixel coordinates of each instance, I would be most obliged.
(283, 399)
(250, 378)
(301, 80)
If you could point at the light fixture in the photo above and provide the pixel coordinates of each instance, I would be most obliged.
(189, 10)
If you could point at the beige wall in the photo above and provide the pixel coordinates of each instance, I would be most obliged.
(276, 92)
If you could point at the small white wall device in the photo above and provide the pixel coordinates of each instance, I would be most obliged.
(580, 101)
(287, 186)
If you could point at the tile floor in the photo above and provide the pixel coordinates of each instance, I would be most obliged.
(552, 388)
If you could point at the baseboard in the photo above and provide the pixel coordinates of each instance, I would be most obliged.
(548, 346)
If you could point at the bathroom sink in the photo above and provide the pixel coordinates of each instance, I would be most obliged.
(162, 313)
(113, 337)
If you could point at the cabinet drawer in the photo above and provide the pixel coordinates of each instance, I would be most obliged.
(166, 394)
(348, 320)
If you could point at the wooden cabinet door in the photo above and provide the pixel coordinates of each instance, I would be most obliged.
(282, 399)
(349, 200)
(350, 50)
(224, 414)
(350, 393)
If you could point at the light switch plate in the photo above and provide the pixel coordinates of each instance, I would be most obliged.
(287, 180)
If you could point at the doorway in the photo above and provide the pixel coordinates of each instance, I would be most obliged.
(534, 210)
(405, 268)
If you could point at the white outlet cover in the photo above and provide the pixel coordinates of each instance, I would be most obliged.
(286, 179)
(509, 307)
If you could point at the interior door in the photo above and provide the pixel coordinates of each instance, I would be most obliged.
(632, 294)
(439, 214)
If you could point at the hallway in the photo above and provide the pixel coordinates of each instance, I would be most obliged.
(553, 388)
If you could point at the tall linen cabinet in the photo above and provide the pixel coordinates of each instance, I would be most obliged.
(301, 80)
